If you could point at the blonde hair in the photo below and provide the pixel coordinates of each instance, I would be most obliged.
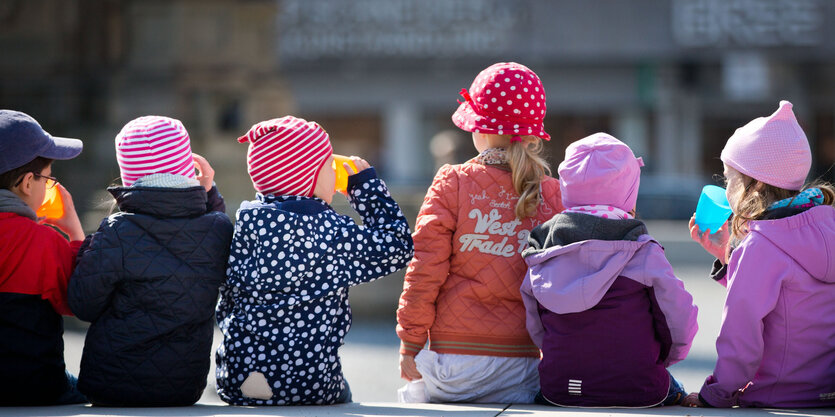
(756, 196)
(527, 168)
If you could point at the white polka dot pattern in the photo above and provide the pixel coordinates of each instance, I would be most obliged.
(505, 99)
(284, 309)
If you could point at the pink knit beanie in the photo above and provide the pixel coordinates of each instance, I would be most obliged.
(285, 155)
(600, 170)
(153, 145)
(771, 149)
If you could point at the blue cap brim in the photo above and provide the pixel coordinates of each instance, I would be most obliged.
(62, 148)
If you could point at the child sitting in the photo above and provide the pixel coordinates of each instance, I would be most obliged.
(148, 279)
(35, 266)
(602, 301)
(284, 307)
(776, 345)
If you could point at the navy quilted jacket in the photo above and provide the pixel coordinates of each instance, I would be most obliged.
(284, 309)
(148, 282)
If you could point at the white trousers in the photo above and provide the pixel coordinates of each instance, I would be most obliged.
(471, 378)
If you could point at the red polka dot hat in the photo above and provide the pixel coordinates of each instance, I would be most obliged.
(505, 99)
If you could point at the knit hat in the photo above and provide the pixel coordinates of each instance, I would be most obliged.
(600, 170)
(285, 155)
(153, 145)
(771, 149)
(505, 99)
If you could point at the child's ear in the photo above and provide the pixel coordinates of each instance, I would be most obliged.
(24, 188)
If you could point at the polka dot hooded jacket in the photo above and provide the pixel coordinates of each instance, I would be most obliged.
(284, 309)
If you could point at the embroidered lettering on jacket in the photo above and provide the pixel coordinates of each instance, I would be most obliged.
(490, 225)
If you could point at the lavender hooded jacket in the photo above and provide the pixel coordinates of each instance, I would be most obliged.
(605, 308)
(778, 325)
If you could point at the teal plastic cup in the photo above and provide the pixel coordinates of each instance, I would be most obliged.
(713, 209)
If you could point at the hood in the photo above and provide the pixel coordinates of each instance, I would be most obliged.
(808, 238)
(11, 203)
(568, 274)
(161, 202)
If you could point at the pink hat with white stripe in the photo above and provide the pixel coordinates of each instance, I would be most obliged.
(153, 145)
(771, 149)
(285, 155)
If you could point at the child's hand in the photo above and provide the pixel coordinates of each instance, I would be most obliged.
(715, 244)
(692, 400)
(408, 367)
(69, 222)
(205, 173)
(361, 164)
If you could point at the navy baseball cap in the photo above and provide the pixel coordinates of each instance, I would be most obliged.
(22, 140)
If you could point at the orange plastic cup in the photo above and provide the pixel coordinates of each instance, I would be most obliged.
(53, 205)
(341, 173)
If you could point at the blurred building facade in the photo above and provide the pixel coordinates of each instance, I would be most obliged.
(87, 67)
(672, 78)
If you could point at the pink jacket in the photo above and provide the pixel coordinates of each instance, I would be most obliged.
(776, 345)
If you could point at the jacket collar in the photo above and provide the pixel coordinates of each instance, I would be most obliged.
(567, 228)
(161, 202)
(292, 203)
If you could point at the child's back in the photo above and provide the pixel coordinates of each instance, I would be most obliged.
(461, 291)
(148, 280)
(284, 308)
(776, 345)
(779, 327)
(602, 301)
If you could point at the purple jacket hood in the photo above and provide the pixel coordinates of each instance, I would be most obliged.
(586, 271)
(811, 247)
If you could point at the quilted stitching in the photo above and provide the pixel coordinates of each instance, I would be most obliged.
(456, 289)
(149, 284)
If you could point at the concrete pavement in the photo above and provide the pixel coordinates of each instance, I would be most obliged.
(401, 410)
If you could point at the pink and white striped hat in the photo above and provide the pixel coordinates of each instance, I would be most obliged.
(285, 155)
(153, 145)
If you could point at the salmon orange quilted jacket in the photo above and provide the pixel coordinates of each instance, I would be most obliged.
(461, 290)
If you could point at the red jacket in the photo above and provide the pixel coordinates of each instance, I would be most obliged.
(35, 267)
(462, 287)
(35, 260)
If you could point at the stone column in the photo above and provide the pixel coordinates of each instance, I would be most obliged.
(404, 147)
(667, 128)
(631, 126)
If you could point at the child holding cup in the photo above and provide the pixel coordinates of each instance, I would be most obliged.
(284, 307)
(776, 346)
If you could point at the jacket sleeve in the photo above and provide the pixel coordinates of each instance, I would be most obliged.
(214, 201)
(96, 274)
(429, 268)
(382, 244)
(58, 271)
(532, 320)
(753, 291)
(676, 315)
